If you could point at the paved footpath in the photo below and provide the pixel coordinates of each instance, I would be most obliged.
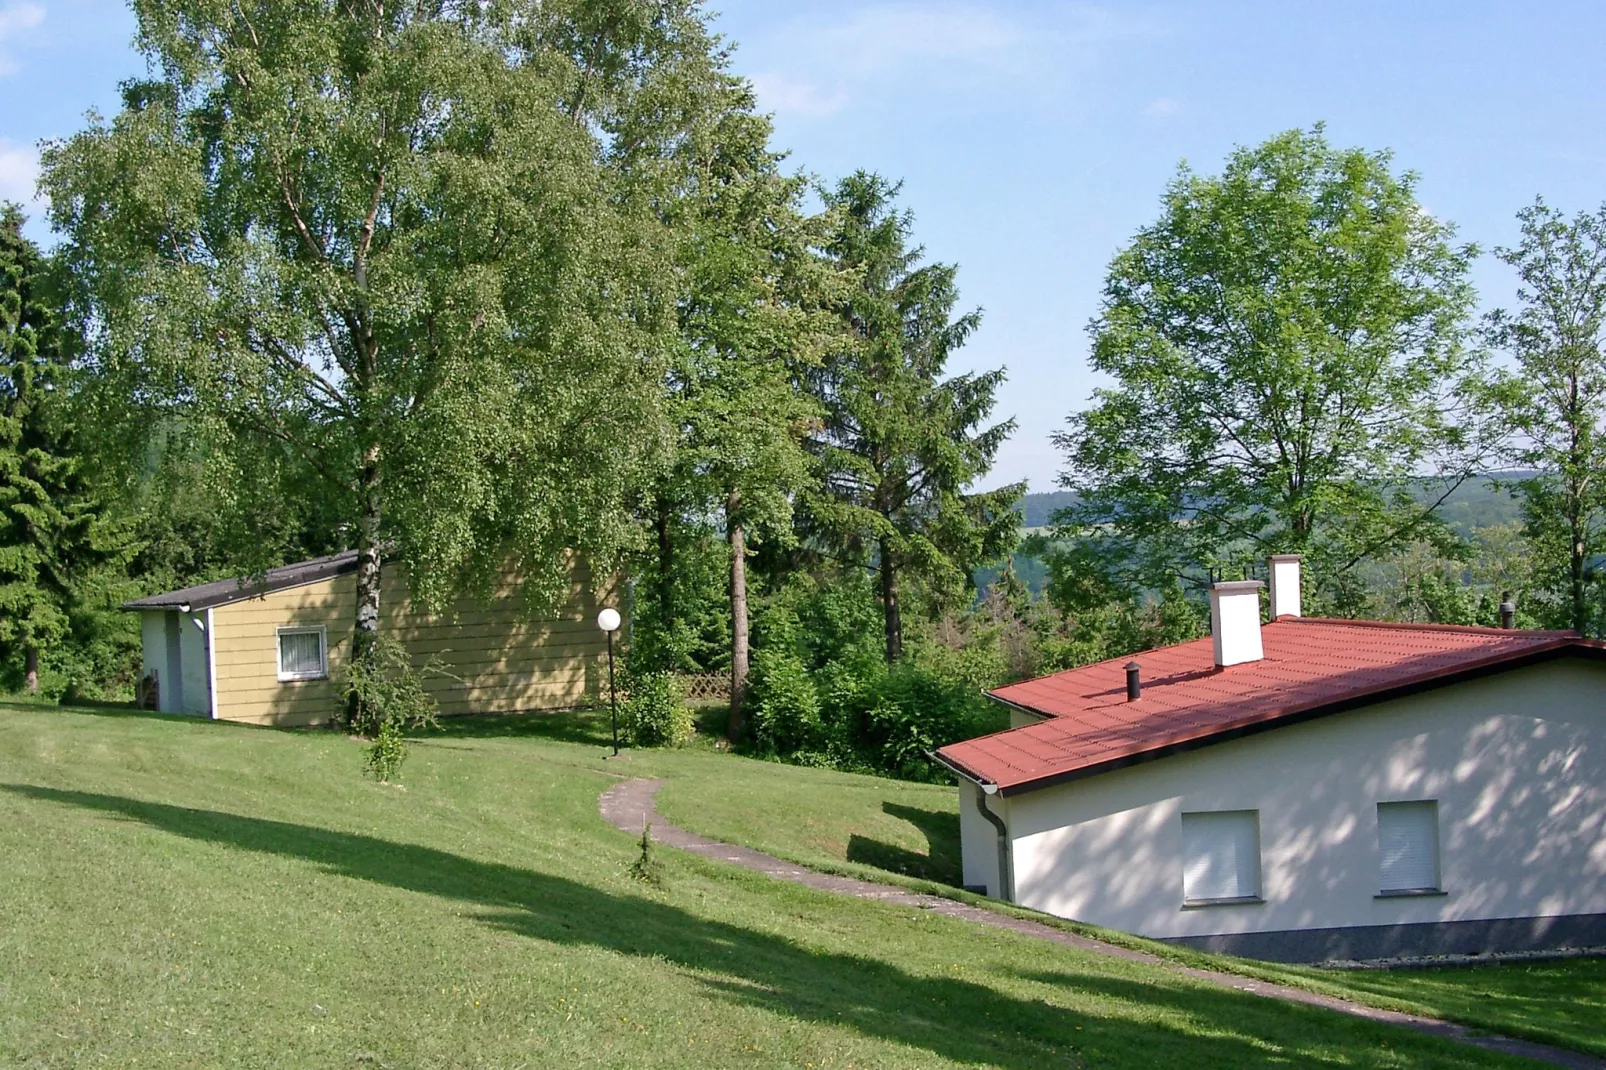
(629, 805)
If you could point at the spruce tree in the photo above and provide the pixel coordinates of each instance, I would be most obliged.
(44, 517)
(902, 442)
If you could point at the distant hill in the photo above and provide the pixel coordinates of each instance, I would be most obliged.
(1039, 509)
(1477, 503)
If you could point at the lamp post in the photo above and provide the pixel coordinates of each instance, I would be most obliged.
(608, 621)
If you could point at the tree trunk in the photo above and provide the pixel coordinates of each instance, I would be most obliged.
(365, 636)
(889, 604)
(666, 552)
(738, 544)
(1580, 606)
(30, 670)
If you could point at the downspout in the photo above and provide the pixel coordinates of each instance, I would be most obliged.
(1005, 879)
(1005, 884)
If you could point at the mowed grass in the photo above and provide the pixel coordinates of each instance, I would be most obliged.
(1559, 1002)
(178, 893)
(851, 823)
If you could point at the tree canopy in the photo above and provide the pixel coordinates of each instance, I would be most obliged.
(1558, 404)
(1289, 355)
(406, 254)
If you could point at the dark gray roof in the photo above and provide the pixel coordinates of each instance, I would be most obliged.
(222, 592)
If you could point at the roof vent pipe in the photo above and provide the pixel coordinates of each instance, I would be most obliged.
(1508, 611)
(1134, 681)
(1284, 572)
(1235, 622)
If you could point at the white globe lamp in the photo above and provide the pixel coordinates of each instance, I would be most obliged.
(608, 621)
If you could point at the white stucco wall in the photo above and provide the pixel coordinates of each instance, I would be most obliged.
(979, 839)
(153, 643)
(188, 690)
(197, 694)
(1516, 761)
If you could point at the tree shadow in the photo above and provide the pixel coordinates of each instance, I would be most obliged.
(950, 1017)
(940, 863)
(114, 710)
(589, 727)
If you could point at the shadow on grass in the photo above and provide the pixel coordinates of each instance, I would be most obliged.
(587, 726)
(957, 1019)
(941, 862)
(115, 710)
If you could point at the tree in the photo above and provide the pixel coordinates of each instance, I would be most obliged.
(901, 445)
(1290, 374)
(1560, 397)
(402, 258)
(32, 590)
(53, 540)
(751, 322)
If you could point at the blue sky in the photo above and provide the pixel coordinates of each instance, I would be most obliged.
(1035, 138)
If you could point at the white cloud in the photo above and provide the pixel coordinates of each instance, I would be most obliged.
(823, 62)
(788, 96)
(876, 38)
(14, 19)
(19, 171)
(1163, 108)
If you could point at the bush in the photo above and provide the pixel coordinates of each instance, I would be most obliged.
(784, 709)
(656, 714)
(916, 710)
(382, 697)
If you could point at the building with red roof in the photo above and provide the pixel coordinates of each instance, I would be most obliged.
(1306, 789)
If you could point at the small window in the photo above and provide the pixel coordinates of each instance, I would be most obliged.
(1408, 847)
(1221, 857)
(303, 653)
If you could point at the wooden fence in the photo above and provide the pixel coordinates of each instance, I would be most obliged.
(706, 686)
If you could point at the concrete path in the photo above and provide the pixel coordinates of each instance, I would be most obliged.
(629, 805)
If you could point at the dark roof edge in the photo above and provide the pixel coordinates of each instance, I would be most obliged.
(1029, 711)
(240, 588)
(1489, 667)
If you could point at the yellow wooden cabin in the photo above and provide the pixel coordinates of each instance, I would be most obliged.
(265, 650)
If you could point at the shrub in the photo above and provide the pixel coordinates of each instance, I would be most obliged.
(916, 710)
(647, 867)
(382, 697)
(656, 714)
(783, 705)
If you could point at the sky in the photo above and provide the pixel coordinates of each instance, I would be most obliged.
(1034, 139)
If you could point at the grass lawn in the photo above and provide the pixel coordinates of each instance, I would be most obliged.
(1561, 1002)
(178, 893)
(851, 823)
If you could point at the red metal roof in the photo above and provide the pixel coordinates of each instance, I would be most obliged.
(1311, 666)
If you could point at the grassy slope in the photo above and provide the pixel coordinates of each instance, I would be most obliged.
(840, 821)
(179, 893)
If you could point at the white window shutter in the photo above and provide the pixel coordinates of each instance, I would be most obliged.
(1408, 846)
(1221, 855)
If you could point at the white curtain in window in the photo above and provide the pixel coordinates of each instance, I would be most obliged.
(300, 654)
(1221, 855)
(1408, 846)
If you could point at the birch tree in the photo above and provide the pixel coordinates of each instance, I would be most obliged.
(1556, 335)
(409, 249)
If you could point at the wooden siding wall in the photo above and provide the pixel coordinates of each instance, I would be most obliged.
(496, 657)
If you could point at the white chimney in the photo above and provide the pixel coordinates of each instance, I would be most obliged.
(1235, 622)
(1284, 569)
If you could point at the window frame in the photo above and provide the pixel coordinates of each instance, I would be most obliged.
(1191, 903)
(321, 631)
(1436, 848)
